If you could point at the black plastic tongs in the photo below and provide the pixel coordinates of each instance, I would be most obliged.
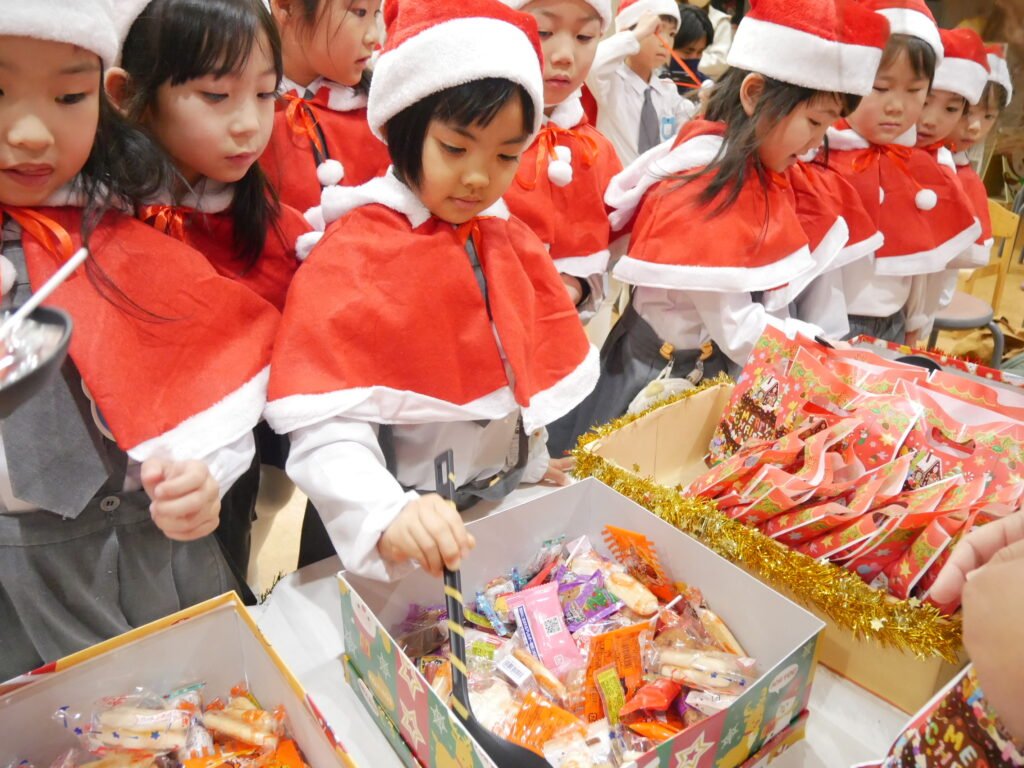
(504, 754)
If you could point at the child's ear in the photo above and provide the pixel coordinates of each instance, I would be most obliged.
(116, 83)
(281, 11)
(751, 91)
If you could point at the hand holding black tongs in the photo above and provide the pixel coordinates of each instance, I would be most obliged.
(504, 754)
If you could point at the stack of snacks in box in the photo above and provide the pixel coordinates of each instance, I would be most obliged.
(873, 465)
(584, 659)
(180, 730)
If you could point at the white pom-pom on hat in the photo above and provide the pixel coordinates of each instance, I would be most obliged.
(8, 275)
(926, 199)
(305, 243)
(330, 172)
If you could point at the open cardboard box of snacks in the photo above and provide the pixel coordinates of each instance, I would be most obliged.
(780, 635)
(216, 642)
(667, 446)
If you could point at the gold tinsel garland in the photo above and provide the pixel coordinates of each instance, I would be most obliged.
(844, 597)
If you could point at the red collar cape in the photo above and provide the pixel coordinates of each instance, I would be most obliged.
(210, 230)
(334, 121)
(385, 321)
(975, 190)
(922, 212)
(177, 387)
(678, 243)
(838, 229)
(559, 190)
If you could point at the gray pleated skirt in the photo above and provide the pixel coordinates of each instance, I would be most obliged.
(68, 584)
(630, 360)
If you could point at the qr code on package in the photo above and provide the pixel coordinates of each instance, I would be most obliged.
(553, 625)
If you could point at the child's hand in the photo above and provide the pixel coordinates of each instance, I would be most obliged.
(572, 285)
(559, 471)
(649, 24)
(186, 498)
(911, 339)
(430, 531)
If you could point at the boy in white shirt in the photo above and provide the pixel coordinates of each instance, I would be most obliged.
(637, 109)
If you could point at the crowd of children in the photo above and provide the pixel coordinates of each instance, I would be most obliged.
(382, 267)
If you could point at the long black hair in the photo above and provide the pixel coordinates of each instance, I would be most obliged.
(311, 12)
(738, 156)
(174, 41)
(919, 53)
(693, 25)
(124, 169)
(473, 103)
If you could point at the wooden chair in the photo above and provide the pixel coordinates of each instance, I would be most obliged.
(967, 311)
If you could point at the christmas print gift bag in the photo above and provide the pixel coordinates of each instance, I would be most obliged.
(956, 728)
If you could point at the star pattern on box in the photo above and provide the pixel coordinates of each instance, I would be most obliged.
(384, 665)
(411, 726)
(731, 736)
(410, 676)
(690, 757)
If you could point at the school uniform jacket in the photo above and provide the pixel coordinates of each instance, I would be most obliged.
(387, 324)
(204, 222)
(320, 141)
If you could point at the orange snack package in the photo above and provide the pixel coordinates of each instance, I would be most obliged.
(537, 721)
(637, 553)
(621, 647)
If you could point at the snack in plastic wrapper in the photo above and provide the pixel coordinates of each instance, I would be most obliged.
(537, 721)
(586, 601)
(424, 630)
(243, 720)
(640, 558)
(539, 616)
(548, 681)
(655, 696)
(622, 649)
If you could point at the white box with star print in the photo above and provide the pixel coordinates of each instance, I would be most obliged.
(782, 636)
(215, 642)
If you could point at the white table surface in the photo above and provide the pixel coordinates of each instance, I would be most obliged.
(302, 620)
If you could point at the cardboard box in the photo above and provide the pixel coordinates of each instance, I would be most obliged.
(668, 446)
(780, 635)
(216, 641)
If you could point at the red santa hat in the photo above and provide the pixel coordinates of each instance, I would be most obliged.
(89, 24)
(434, 45)
(828, 45)
(630, 11)
(910, 17)
(602, 8)
(964, 69)
(998, 71)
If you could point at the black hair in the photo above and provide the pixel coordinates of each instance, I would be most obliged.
(996, 92)
(474, 103)
(919, 53)
(693, 25)
(738, 155)
(174, 41)
(311, 12)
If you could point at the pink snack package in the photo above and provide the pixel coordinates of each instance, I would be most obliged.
(539, 615)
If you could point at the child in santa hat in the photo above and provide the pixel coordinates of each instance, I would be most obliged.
(321, 137)
(427, 318)
(714, 215)
(923, 214)
(559, 189)
(636, 108)
(110, 477)
(202, 80)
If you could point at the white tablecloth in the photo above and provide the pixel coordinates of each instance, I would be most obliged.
(302, 620)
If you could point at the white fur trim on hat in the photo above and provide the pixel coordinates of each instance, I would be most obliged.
(125, 14)
(603, 8)
(1001, 74)
(452, 53)
(89, 24)
(330, 172)
(964, 77)
(906, 21)
(801, 58)
(632, 12)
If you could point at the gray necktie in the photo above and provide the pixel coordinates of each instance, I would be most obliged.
(650, 125)
(56, 456)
